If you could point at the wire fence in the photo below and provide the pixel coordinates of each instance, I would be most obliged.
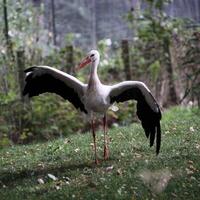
(92, 20)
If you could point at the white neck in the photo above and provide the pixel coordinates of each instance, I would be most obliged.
(94, 79)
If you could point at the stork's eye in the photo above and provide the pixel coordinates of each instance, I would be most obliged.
(92, 55)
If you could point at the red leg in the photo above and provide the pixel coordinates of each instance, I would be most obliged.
(94, 139)
(106, 150)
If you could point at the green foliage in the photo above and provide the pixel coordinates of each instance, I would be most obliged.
(111, 66)
(133, 170)
(55, 118)
(158, 4)
(23, 24)
(153, 33)
(43, 117)
(4, 142)
(191, 66)
(69, 38)
(154, 70)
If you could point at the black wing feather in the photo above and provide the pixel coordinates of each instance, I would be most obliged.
(149, 118)
(40, 80)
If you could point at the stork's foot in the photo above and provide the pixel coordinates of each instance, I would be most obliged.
(106, 153)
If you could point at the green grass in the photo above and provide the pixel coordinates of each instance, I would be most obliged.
(133, 171)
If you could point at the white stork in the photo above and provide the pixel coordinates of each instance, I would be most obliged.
(96, 97)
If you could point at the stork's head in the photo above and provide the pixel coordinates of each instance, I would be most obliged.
(92, 56)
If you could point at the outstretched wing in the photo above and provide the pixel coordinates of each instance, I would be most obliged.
(43, 79)
(148, 110)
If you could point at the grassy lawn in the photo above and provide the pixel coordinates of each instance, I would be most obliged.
(64, 169)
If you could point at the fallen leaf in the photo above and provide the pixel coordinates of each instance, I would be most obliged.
(167, 132)
(67, 182)
(119, 191)
(40, 181)
(193, 178)
(77, 150)
(41, 165)
(197, 146)
(188, 171)
(119, 172)
(147, 161)
(66, 178)
(110, 168)
(137, 155)
(191, 129)
(192, 168)
(92, 145)
(57, 187)
(51, 176)
(174, 195)
(66, 141)
(122, 154)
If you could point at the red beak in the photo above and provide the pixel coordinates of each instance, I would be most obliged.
(83, 63)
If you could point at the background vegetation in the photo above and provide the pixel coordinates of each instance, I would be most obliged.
(163, 52)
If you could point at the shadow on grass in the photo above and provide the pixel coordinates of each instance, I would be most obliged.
(8, 178)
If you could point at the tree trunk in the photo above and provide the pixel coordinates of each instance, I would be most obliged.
(70, 59)
(171, 96)
(6, 22)
(126, 59)
(94, 25)
(6, 30)
(136, 11)
(20, 67)
(53, 22)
